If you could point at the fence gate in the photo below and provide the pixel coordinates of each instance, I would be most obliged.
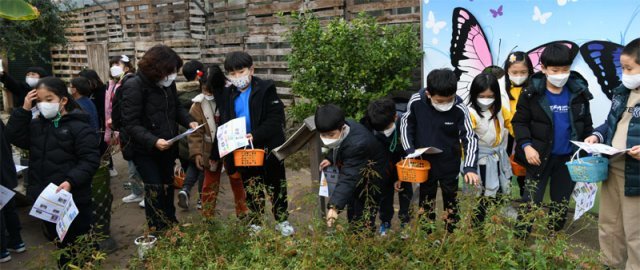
(98, 59)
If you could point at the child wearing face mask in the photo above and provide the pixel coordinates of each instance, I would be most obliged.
(518, 68)
(619, 219)
(382, 120)
(63, 150)
(80, 90)
(551, 111)
(19, 89)
(257, 101)
(491, 123)
(354, 150)
(437, 117)
(205, 111)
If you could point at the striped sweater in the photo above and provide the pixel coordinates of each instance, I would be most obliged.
(423, 126)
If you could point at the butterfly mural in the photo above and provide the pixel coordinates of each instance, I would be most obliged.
(471, 54)
(495, 13)
(540, 16)
(603, 58)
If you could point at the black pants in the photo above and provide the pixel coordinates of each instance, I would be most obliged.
(193, 175)
(386, 201)
(520, 179)
(556, 173)
(362, 210)
(9, 226)
(157, 175)
(270, 177)
(449, 188)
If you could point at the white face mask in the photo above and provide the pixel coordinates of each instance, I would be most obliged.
(166, 82)
(485, 103)
(518, 80)
(388, 132)
(209, 98)
(116, 71)
(443, 107)
(48, 109)
(558, 80)
(631, 81)
(334, 143)
(32, 82)
(241, 83)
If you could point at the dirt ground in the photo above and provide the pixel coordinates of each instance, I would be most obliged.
(128, 221)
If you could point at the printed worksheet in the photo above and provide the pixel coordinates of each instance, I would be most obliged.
(231, 136)
(5, 196)
(55, 207)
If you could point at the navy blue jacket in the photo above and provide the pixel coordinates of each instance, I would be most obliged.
(424, 126)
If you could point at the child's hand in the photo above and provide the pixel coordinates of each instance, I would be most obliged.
(332, 215)
(635, 152)
(213, 164)
(249, 137)
(532, 155)
(592, 139)
(398, 186)
(65, 185)
(193, 125)
(325, 163)
(472, 178)
(199, 162)
(29, 99)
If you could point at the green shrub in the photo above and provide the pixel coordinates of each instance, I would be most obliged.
(349, 63)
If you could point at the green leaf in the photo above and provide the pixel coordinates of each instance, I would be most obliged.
(18, 10)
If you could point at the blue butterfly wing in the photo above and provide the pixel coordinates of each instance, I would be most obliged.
(603, 58)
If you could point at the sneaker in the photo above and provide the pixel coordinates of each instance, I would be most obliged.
(19, 248)
(141, 204)
(113, 172)
(183, 199)
(255, 229)
(384, 228)
(285, 228)
(199, 205)
(5, 256)
(133, 198)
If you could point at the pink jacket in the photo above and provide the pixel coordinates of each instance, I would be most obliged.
(111, 91)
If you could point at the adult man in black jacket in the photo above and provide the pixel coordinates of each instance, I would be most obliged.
(362, 161)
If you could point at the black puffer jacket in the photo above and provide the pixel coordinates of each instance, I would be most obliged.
(149, 113)
(267, 114)
(533, 121)
(8, 176)
(357, 151)
(68, 152)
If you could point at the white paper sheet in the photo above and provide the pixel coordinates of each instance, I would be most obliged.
(5, 195)
(598, 148)
(184, 134)
(231, 136)
(585, 196)
(426, 150)
(324, 186)
(20, 168)
(55, 207)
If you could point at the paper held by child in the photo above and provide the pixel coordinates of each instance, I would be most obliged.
(231, 136)
(585, 196)
(5, 196)
(185, 134)
(55, 207)
(598, 148)
(328, 181)
(426, 150)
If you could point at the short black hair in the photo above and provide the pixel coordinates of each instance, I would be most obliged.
(40, 71)
(633, 49)
(381, 113)
(83, 85)
(191, 68)
(328, 118)
(556, 55)
(214, 80)
(442, 82)
(495, 70)
(58, 88)
(237, 60)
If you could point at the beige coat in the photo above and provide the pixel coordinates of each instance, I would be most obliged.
(201, 141)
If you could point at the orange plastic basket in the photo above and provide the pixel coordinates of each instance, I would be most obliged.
(178, 177)
(248, 157)
(413, 170)
(518, 170)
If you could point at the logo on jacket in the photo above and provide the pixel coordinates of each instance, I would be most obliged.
(448, 123)
(559, 108)
(636, 112)
(615, 103)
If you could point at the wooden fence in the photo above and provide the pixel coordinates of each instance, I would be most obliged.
(206, 30)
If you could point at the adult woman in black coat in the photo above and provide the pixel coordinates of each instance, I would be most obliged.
(151, 114)
(62, 150)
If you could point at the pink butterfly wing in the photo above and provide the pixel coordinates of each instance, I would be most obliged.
(535, 53)
(470, 53)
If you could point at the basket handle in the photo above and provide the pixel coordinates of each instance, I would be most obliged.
(251, 143)
(576, 156)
